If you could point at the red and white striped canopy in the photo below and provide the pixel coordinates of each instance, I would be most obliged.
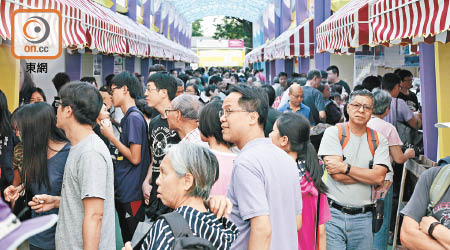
(73, 31)
(410, 22)
(347, 28)
(88, 24)
(296, 42)
(256, 55)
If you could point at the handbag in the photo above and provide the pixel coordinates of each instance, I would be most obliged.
(378, 215)
(21, 208)
(410, 137)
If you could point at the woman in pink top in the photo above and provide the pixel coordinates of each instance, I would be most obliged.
(291, 133)
(211, 132)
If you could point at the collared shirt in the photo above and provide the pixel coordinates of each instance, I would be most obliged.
(265, 182)
(304, 110)
(194, 136)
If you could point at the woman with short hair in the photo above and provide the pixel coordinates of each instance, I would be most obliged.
(211, 132)
(187, 174)
(382, 103)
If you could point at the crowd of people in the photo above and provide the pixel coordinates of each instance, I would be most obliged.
(222, 156)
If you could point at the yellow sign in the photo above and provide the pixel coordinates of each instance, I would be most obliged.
(107, 3)
(337, 4)
(122, 6)
(221, 57)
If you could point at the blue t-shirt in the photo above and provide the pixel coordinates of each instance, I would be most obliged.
(55, 168)
(128, 178)
(304, 111)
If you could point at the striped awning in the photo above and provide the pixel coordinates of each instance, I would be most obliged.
(74, 34)
(347, 28)
(410, 22)
(86, 24)
(104, 30)
(256, 55)
(296, 42)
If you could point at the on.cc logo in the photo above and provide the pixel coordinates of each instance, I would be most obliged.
(41, 29)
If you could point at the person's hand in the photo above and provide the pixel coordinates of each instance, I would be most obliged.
(335, 167)
(410, 153)
(220, 205)
(146, 190)
(106, 129)
(12, 193)
(127, 246)
(43, 203)
(426, 222)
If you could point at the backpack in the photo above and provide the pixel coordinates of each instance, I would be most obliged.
(344, 137)
(184, 238)
(146, 129)
(439, 186)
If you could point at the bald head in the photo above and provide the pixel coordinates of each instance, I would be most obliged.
(295, 88)
(295, 94)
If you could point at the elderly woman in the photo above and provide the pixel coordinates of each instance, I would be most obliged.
(382, 104)
(188, 172)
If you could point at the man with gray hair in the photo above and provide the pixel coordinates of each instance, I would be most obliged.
(312, 97)
(357, 160)
(183, 117)
(382, 100)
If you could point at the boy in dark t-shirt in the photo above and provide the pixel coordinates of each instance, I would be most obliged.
(405, 85)
(134, 155)
(161, 89)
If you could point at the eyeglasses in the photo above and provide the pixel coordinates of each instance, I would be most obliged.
(168, 110)
(113, 88)
(227, 112)
(58, 103)
(150, 89)
(357, 106)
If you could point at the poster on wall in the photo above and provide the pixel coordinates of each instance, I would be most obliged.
(366, 65)
(118, 64)
(97, 65)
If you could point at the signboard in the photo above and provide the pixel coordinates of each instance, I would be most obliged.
(221, 57)
(235, 43)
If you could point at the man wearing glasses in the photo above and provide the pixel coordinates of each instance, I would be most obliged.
(353, 170)
(161, 90)
(295, 102)
(134, 158)
(405, 85)
(264, 187)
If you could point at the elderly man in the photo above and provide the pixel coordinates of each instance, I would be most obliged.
(295, 102)
(356, 163)
(264, 187)
(183, 116)
(311, 97)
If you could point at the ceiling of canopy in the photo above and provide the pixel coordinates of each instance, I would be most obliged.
(192, 10)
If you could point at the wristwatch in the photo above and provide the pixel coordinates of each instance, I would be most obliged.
(431, 229)
(348, 169)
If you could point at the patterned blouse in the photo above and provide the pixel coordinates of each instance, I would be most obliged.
(220, 232)
(18, 157)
